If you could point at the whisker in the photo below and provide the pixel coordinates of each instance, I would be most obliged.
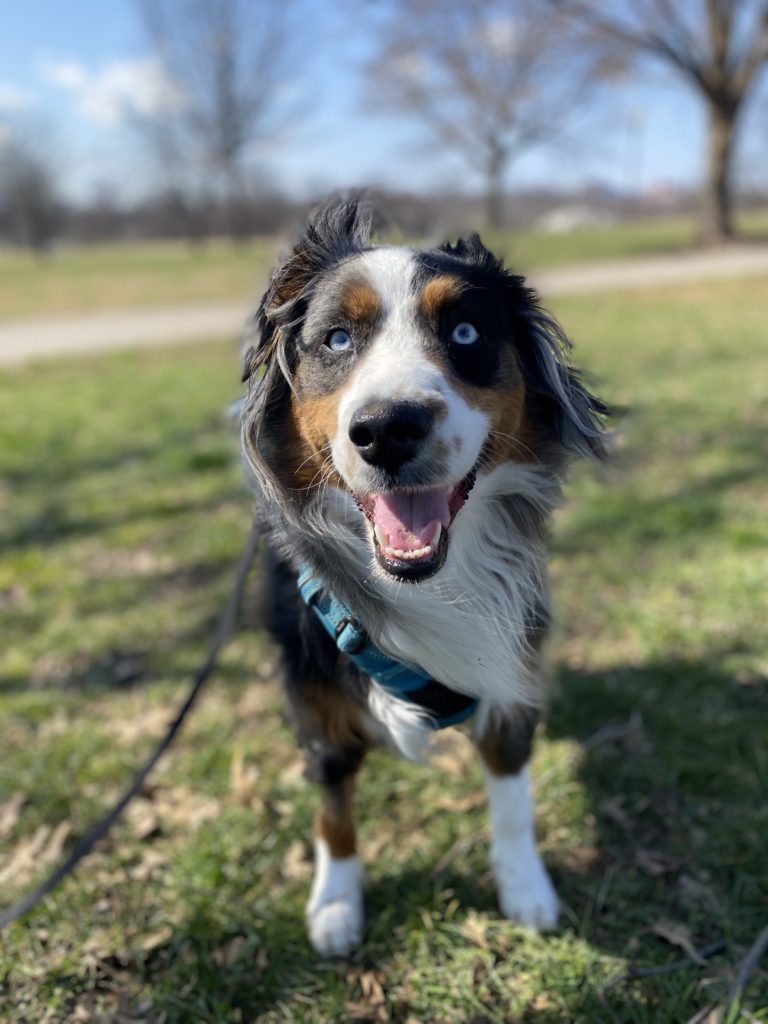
(312, 455)
(324, 472)
(522, 449)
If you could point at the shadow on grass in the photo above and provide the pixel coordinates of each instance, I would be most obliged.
(678, 803)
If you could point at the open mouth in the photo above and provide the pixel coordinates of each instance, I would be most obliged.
(411, 527)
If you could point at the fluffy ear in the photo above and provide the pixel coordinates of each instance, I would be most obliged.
(472, 251)
(333, 232)
(254, 353)
(572, 416)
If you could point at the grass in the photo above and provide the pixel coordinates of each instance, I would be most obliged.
(121, 518)
(633, 239)
(89, 278)
(85, 279)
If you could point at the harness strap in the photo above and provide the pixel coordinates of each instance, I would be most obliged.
(445, 706)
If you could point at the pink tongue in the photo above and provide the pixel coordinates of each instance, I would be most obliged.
(409, 518)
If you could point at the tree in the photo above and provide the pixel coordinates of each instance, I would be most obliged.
(718, 47)
(490, 81)
(29, 202)
(226, 62)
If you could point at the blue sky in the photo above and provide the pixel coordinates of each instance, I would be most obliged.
(64, 65)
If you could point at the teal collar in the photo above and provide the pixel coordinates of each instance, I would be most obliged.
(445, 707)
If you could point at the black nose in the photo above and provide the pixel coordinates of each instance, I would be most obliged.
(387, 434)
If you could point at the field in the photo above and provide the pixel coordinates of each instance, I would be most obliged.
(122, 514)
(90, 278)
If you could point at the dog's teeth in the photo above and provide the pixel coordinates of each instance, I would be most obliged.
(409, 556)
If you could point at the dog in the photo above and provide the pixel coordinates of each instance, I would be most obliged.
(409, 419)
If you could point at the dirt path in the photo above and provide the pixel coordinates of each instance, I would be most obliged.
(618, 275)
(26, 340)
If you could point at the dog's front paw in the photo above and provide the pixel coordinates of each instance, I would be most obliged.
(336, 928)
(526, 893)
(335, 907)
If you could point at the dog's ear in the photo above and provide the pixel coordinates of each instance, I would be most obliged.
(252, 344)
(570, 414)
(260, 340)
(472, 251)
(334, 232)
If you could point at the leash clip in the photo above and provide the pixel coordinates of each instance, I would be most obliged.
(351, 638)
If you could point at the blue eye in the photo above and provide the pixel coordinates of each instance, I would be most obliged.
(464, 334)
(339, 341)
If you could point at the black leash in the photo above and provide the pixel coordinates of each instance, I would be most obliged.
(85, 844)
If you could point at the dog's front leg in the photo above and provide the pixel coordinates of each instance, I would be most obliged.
(335, 907)
(526, 893)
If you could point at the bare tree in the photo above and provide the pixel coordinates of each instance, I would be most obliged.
(490, 81)
(227, 65)
(718, 47)
(30, 208)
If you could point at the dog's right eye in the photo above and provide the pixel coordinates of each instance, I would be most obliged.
(339, 341)
(465, 334)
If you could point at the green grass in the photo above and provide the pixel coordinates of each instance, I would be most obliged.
(632, 239)
(85, 279)
(121, 519)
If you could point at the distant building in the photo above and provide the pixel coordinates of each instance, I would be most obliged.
(572, 216)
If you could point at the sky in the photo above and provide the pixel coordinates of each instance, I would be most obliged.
(72, 69)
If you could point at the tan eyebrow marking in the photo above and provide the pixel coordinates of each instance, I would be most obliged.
(360, 302)
(439, 292)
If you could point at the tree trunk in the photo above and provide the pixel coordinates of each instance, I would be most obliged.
(494, 192)
(236, 206)
(717, 212)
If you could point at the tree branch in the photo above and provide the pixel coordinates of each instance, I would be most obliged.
(756, 56)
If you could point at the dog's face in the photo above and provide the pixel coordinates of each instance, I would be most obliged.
(410, 373)
(404, 376)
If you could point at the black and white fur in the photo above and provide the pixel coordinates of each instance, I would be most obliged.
(477, 623)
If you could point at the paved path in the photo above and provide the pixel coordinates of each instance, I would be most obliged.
(22, 341)
(25, 340)
(618, 275)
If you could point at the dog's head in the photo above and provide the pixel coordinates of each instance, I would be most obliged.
(399, 376)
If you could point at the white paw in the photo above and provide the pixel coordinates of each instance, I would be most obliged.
(335, 907)
(526, 893)
(336, 928)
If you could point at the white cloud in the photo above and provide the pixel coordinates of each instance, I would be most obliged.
(116, 91)
(67, 74)
(501, 36)
(13, 99)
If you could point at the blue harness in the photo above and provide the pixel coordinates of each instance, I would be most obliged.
(444, 706)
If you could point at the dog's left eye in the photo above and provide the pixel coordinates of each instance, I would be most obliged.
(464, 334)
(339, 341)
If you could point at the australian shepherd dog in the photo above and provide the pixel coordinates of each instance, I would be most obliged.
(409, 419)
